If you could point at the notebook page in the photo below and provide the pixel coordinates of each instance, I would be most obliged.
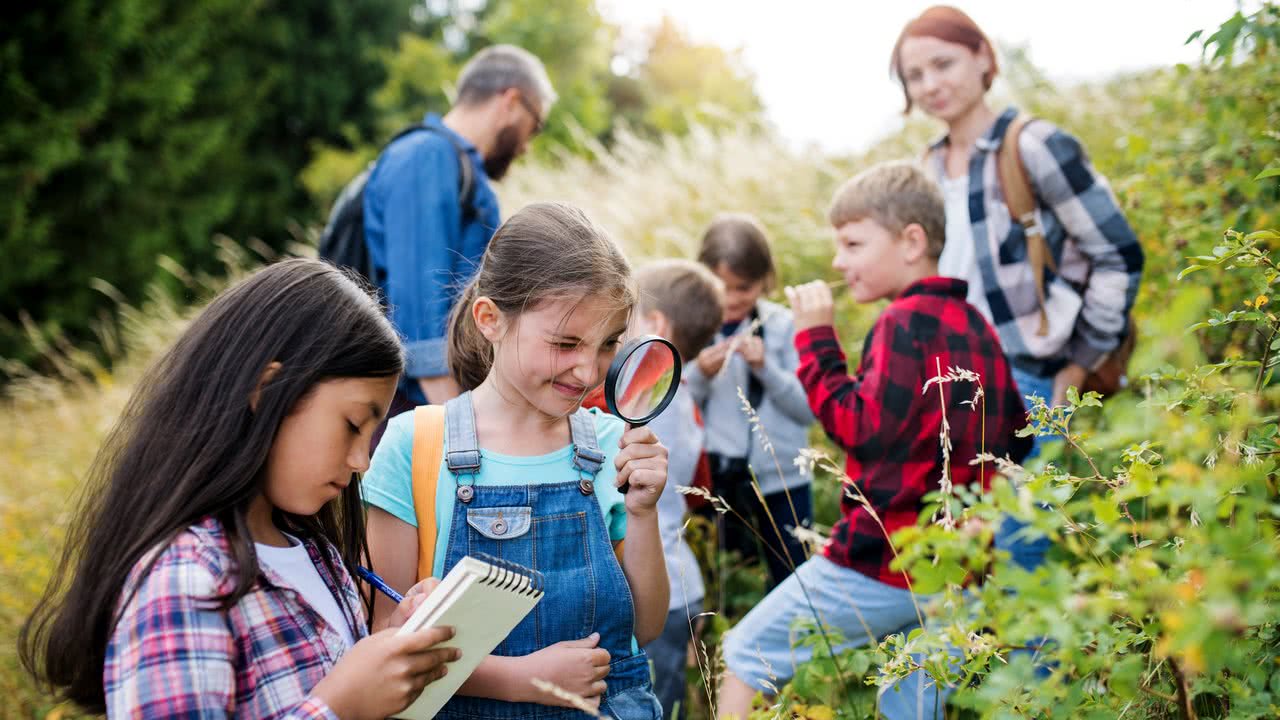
(482, 616)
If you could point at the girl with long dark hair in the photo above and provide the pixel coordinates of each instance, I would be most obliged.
(207, 571)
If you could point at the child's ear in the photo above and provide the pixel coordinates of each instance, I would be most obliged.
(488, 318)
(658, 323)
(916, 243)
(272, 368)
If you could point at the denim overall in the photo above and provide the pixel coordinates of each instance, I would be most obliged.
(558, 530)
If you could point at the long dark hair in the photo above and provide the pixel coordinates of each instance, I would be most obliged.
(188, 446)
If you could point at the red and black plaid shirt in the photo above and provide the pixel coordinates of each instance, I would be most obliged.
(890, 428)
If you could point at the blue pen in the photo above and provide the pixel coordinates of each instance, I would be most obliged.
(370, 577)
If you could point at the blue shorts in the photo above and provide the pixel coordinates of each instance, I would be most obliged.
(760, 650)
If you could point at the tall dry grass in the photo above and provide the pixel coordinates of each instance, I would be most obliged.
(50, 429)
(656, 197)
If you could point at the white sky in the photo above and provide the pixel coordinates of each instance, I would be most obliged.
(821, 66)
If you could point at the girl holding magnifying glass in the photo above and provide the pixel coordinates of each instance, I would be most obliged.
(527, 475)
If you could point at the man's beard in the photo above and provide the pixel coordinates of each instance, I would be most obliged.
(505, 147)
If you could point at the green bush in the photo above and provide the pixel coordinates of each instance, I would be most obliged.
(1159, 595)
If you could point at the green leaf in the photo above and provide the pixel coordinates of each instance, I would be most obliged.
(1125, 676)
(1188, 270)
(1269, 172)
(1142, 480)
(1104, 509)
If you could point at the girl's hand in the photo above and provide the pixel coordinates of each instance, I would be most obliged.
(385, 672)
(576, 666)
(412, 599)
(812, 305)
(643, 463)
(712, 359)
(752, 350)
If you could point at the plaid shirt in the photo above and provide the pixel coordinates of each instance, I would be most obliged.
(1097, 254)
(174, 653)
(889, 425)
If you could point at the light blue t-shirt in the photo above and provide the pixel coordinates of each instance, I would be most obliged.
(388, 484)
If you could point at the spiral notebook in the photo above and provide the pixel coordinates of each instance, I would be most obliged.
(483, 599)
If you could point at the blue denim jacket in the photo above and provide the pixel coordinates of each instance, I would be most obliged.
(423, 253)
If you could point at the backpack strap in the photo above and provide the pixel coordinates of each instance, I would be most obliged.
(1020, 198)
(428, 444)
(466, 180)
(466, 173)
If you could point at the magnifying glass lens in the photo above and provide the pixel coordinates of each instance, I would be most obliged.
(643, 380)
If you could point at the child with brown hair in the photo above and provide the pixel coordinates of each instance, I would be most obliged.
(753, 357)
(888, 225)
(526, 474)
(679, 300)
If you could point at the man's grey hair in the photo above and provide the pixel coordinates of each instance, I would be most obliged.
(499, 67)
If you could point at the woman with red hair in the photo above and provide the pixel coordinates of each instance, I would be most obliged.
(1060, 302)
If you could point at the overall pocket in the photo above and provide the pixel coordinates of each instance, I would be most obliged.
(560, 553)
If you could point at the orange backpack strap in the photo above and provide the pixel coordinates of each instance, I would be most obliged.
(428, 448)
(1020, 198)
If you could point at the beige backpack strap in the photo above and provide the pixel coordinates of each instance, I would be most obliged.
(428, 448)
(1020, 198)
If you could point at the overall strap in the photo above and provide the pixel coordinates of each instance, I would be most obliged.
(587, 457)
(463, 457)
(464, 450)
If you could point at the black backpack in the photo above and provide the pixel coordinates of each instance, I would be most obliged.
(342, 242)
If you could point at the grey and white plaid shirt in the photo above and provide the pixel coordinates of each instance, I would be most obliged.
(1097, 254)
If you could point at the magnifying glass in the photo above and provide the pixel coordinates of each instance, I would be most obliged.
(642, 381)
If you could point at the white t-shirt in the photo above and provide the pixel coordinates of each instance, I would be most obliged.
(294, 565)
(958, 256)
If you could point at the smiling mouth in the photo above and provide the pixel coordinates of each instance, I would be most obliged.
(569, 390)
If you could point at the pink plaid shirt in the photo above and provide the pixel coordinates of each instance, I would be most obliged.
(175, 654)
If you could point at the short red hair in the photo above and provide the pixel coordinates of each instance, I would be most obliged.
(948, 24)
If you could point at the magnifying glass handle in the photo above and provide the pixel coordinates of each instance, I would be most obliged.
(625, 487)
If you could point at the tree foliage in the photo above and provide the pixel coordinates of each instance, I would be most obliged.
(674, 84)
(136, 129)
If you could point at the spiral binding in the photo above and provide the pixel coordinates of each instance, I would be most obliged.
(506, 575)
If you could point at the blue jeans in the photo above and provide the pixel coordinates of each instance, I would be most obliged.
(1026, 547)
(760, 648)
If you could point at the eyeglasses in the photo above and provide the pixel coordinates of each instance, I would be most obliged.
(533, 112)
